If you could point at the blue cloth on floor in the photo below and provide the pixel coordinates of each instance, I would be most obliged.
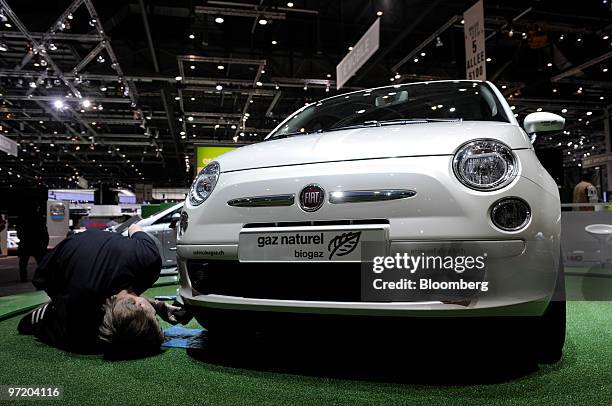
(181, 337)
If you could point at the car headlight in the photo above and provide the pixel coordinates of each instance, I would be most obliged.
(485, 164)
(204, 184)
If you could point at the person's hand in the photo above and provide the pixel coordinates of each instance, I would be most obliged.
(134, 228)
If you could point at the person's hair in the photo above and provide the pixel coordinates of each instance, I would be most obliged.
(127, 331)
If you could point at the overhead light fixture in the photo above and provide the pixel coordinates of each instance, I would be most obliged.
(178, 78)
(3, 47)
(219, 20)
(177, 98)
(191, 36)
(328, 75)
(488, 59)
(423, 54)
(192, 67)
(289, 4)
(258, 83)
(605, 37)
(86, 103)
(58, 104)
(549, 64)
(276, 86)
(439, 42)
(379, 13)
(416, 60)
(190, 118)
(588, 113)
(274, 42)
(219, 87)
(220, 67)
(192, 99)
(32, 84)
(8, 25)
(100, 59)
(263, 21)
(350, 48)
(604, 70)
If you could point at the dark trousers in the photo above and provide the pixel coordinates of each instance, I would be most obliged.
(23, 264)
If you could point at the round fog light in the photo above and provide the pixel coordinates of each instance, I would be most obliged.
(510, 214)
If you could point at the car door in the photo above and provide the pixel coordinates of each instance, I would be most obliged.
(167, 237)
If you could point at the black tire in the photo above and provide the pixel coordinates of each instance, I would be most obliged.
(551, 325)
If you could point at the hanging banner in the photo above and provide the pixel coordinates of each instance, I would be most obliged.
(8, 145)
(474, 33)
(362, 51)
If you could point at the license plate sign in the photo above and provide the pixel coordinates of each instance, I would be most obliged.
(338, 245)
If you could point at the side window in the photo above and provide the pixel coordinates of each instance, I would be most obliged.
(167, 219)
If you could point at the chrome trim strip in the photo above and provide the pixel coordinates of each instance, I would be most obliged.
(360, 196)
(263, 201)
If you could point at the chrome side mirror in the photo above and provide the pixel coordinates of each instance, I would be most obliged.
(175, 219)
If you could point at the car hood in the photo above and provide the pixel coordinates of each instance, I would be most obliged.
(420, 139)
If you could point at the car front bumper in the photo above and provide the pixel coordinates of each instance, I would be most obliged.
(521, 277)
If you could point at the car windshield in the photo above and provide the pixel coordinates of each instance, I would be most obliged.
(399, 104)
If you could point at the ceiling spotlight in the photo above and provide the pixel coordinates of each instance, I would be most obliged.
(416, 60)
(350, 48)
(3, 47)
(258, 83)
(103, 88)
(588, 113)
(289, 4)
(100, 59)
(219, 87)
(439, 42)
(70, 16)
(32, 84)
(604, 70)
(561, 37)
(328, 75)
(379, 13)
(274, 42)
(220, 67)
(305, 87)
(178, 78)
(219, 20)
(263, 21)
(488, 59)
(190, 118)
(549, 64)
(397, 76)
(58, 104)
(423, 54)
(8, 25)
(191, 36)
(86, 103)
(511, 33)
(276, 86)
(605, 37)
(192, 67)
(192, 99)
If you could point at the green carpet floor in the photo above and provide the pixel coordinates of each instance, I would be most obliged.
(583, 377)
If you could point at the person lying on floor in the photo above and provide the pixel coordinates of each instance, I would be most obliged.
(95, 280)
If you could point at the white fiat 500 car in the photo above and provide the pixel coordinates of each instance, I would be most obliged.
(433, 169)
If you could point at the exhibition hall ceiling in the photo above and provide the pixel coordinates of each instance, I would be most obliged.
(122, 91)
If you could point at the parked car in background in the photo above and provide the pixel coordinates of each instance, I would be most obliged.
(277, 227)
(161, 227)
(12, 242)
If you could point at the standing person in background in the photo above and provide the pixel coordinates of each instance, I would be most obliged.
(585, 192)
(33, 236)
